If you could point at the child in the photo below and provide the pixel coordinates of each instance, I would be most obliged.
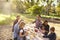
(22, 33)
(52, 35)
(42, 29)
(46, 27)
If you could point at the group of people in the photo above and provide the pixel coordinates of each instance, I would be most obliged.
(20, 33)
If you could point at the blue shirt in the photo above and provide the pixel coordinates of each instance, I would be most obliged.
(16, 29)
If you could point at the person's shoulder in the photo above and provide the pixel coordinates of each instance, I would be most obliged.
(16, 25)
(48, 25)
(54, 33)
(15, 20)
(21, 30)
(42, 23)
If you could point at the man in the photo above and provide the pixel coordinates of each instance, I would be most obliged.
(17, 18)
(16, 29)
(46, 27)
(38, 22)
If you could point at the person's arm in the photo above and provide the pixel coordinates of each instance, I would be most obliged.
(20, 34)
(34, 21)
(13, 26)
(54, 37)
(48, 28)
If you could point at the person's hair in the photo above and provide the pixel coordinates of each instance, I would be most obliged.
(52, 29)
(18, 16)
(22, 23)
(45, 21)
(39, 15)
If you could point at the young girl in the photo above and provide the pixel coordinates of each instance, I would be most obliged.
(22, 33)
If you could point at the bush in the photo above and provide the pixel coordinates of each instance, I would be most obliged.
(8, 20)
(34, 10)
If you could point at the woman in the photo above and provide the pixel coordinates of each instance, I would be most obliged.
(38, 22)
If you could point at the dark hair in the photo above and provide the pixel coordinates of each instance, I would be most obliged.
(39, 15)
(52, 29)
(45, 21)
(18, 16)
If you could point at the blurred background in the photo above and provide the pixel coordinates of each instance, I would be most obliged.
(28, 9)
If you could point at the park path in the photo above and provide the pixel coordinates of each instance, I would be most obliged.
(6, 31)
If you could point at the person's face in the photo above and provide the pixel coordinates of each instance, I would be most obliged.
(39, 18)
(51, 31)
(22, 25)
(46, 23)
(18, 18)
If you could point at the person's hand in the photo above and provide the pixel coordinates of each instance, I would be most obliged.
(46, 31)
(19, 20)
(12, 30)
(26, 34)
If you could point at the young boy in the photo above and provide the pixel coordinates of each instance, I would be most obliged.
(52, 35)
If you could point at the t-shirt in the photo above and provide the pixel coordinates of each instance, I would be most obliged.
(38, 23)
(46, 27)
(16, 28)
(52, 36)
(23, 32)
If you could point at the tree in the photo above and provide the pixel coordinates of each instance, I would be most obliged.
(49, 2)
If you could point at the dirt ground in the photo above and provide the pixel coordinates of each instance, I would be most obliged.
(6, 31)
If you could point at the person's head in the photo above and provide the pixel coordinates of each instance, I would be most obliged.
(22, 24)
(52, 29)
(38, 17)
(45, 22)
(18, 17)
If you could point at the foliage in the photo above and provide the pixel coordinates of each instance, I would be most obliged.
(34, 9)
(6, 19)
